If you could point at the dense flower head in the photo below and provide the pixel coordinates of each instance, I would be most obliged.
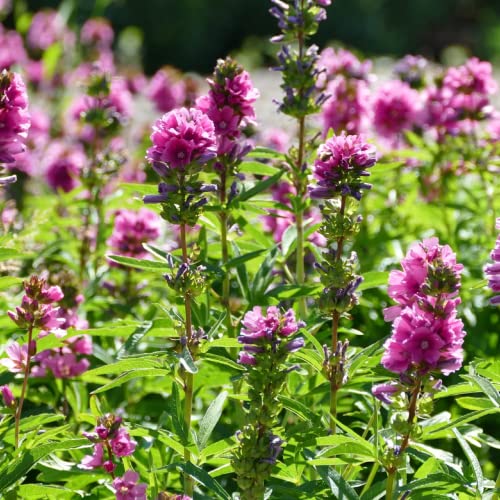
(411, 69)
(473, 76)
(262, 330)
(181, 137)
(97, 32)
(132, 229)
(492, 270)
(63, 166)
(127, 488)
(424, 342)
(108, 434)
(14, 116)
(429, 269)
(341, 162)
(343, 63)
(346, 109)
(11, 49)
(167, 90)
(427, 335)
(396, 109)
(37, 308)
(47, 27)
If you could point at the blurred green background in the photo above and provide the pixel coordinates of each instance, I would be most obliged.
(192, 34)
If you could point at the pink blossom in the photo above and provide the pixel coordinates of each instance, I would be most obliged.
(11, 49)
(63, 165)
(340, 164)
(95, 460)
(492, 270)
(17, 359)
(121, 444)
(126, 487)
(396, 108)
(166, 90)
(14, 116)
(341, 62)
(97, 32)
(181, 137)
(346, 110)
(47, 27)
(277, 139)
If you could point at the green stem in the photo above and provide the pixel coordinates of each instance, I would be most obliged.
(333, 381)
(371, 477)
(24, 389)
(226, 283)
(188, 377)
(389, 489)
(497, 488)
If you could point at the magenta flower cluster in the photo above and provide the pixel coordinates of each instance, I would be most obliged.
(14, 116)
(341, 163)
(397, 108)
(166, 90)
(133, 228)
(37, 308)
(462, 98)
(427, 335)
(265, 331)
(229, 102)
(97, 32)
(127, 488)
(492, 271)
(180, 138)
(111, 441)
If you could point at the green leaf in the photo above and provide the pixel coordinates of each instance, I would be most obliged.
(210, 419)
(474, 403)
(221, 360)
(224, 446)
(222, 342)
(50, 59)
(310, 357)
(339, 487)
(259, 187)
(44, 491)
(203, 478)
(289, 240)
(265, 153)
(108, 331)
(241, 259)
(473, 416)
(137, 373)
(299, 409)
(439, 482)
(149, 265)
(347, 445)
(14, 470)
(257, 168)
(12, 253)
(124, 365)
(381, 169)
(486, 386)
(8, 281)
(474, 462)
(373, 279)
(187, 361)
(291, 291)
(130, 346)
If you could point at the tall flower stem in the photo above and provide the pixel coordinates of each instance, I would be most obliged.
(335, 337)
(24, 389)
(223, 216)
(188, 377)
(412, 413)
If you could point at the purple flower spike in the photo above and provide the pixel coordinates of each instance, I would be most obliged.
(492, 271)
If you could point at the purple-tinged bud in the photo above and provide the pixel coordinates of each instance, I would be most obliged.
(32, 347)
(109, 466)
(246, 359)
(384, 391)
(8, 398)
(102, 431)
(295, 344)
(9, 179)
